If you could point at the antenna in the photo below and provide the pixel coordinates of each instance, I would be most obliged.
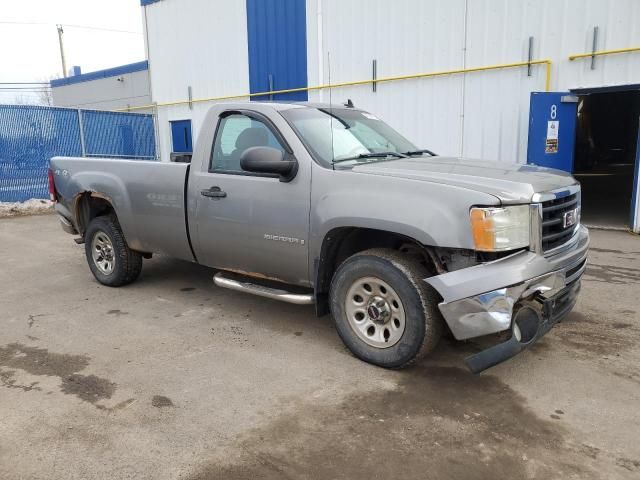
(331, 117)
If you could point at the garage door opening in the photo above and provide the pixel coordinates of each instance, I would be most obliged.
(605, 156)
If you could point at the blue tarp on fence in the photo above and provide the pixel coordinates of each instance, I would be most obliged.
(31, 135)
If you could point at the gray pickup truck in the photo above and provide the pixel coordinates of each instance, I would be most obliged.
(326, 205)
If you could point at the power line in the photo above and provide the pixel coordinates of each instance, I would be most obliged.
(103, 29)
(23, 91)
(24, 88)
(24, 83)
(86, 27)
(24, 23)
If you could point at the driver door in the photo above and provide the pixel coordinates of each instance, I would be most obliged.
(252, 223)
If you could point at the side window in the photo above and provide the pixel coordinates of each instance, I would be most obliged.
(236, 133)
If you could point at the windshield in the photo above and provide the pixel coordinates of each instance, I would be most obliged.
(354, 134)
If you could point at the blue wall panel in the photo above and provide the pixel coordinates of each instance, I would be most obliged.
(635, 226)
(277, 38)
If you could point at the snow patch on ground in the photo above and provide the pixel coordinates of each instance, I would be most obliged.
(30, 207)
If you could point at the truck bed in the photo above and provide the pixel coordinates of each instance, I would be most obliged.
(148, 196)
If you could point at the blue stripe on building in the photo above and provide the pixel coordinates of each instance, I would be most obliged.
(277, 39)
(636, 187)
(109, 72)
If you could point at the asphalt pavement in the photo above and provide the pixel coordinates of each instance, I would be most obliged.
(174, 378)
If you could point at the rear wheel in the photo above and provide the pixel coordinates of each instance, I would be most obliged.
(110, 259)
(384, 311)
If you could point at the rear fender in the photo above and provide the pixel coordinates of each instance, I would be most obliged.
(108, 187)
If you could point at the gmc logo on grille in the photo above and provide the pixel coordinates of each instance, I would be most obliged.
(570, 218)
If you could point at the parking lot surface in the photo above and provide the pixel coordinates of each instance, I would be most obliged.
(174, 378)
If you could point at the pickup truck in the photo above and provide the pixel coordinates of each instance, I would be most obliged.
(328, 205)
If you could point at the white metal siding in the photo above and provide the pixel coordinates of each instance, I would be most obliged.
(482, 114)
(203, 43)
(497, 102)
(197, 43)
(396, 35)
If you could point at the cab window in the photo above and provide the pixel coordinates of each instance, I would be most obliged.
(236, 133)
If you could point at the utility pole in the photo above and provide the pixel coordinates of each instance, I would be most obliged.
(64, 62)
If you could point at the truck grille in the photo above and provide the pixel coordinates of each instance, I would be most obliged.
(554, 233)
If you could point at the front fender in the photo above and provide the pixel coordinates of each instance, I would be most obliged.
(433, 214)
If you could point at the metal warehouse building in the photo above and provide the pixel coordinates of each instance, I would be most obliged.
(115, 88)
(455, 76)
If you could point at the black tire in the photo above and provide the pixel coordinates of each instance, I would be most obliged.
(127, 264)
(422, 319)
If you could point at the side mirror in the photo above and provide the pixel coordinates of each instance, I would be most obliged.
(268, 160)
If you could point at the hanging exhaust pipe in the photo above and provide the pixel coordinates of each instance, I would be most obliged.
(526, 323)
(526, 326)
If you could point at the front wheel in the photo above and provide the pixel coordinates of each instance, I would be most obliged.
(110, 259)
(383, 310)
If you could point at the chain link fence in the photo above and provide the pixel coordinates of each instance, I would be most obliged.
(31, 135)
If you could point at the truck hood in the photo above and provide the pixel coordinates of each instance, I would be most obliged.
(510, 183)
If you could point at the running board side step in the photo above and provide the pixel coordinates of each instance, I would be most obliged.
(268, 292)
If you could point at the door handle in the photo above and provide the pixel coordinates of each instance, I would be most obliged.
(213, 192)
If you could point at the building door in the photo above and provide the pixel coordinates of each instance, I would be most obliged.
(606, 155)
(181, 136)
(277, 40)
(552, 130)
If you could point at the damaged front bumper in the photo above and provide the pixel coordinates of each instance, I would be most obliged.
(526, 293)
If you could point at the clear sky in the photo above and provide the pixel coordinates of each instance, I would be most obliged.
(29, 49)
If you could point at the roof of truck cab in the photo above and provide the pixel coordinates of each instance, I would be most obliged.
(280, 105)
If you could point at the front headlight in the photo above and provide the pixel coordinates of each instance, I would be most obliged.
(496, 229)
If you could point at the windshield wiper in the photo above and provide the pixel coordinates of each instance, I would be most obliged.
(420, 152)
(372, 155)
